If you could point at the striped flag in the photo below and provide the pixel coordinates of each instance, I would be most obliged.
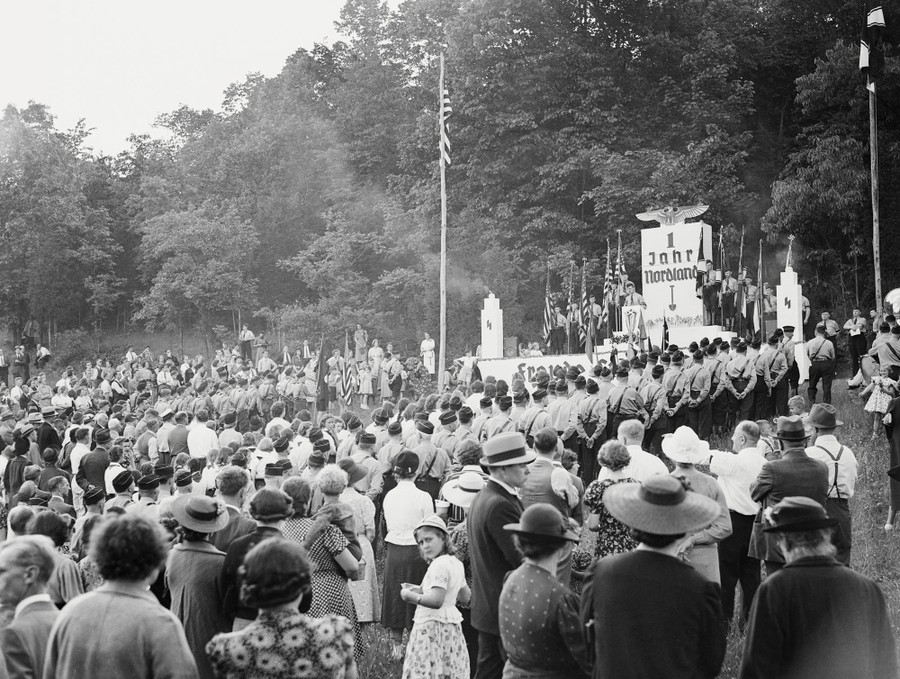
(609, 290)
(347, 377)
(620, 264)
(871, 54)
(446, 111)
(584, 317)
(548, 309)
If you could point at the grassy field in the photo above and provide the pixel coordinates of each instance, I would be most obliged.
(875, 553)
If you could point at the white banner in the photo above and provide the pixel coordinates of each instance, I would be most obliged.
(669, 276)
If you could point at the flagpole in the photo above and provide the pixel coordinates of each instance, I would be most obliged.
(760, 293)
(619, 285)
(569, 310)
(876, 230)
(442, 353)
(589, 329)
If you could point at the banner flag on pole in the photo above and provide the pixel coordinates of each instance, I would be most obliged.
(347, 377)
(446, 111)
(548, 309)
(608, 287)
(759, 294)
(585, 311)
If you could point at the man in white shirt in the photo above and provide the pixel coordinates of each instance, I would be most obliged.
(81, 448)
(843, 470)
(856, 327)
(643, 464)
(736, 471)
(201, 438)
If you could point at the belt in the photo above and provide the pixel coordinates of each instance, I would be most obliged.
(822, 360)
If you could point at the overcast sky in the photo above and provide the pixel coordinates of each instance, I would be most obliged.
(120, 64)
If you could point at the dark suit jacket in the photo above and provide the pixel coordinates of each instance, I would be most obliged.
(61, 507)
(653, 616)
(794, 474)
(234, 558)
(237, 526)
(491, 551)
(24, 641)
(817, 619)
(48, 437)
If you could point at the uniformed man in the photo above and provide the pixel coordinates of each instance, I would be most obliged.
(500, 422)
(751, 293)
(479, 424)
(148, 494)
(446, 437)
(831, 328)
(807, 330)
(675, 388)
(590, 425)
(718, 401)
(536, 417)
(632, 298)
(623, 403)
(520, 405)
(856, 327)
(434, 462)
(597, 319)
(562, 417)
(699, 412)
(657, 422)
(771, 391)
(821, 365)
(708, 291)
(579, 392)
(740, 381)
(727, 292)
(788, 345)
(557, 332)
(465, 432)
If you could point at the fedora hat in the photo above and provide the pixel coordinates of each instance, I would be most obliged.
(661, 505)
(685, 446)
(355, 473)
(790, 429)
(200, 513)
(823, 416)
(795, 514)
(542, 520)
(462, 490)
(506, 449)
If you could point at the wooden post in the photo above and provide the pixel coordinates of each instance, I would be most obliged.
(876, 230)
(442, 351)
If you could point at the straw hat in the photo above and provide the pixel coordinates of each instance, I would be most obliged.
(685, 446)
(506, 449)
(200, 513)
(462, 490)
(660, 505)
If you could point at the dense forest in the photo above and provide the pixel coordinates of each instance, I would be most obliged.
(310, 201)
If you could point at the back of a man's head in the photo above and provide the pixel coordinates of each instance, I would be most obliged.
(631, 432)
(545, 441)
(750, 432)
(30, 552)
(19, 518)
(231, 480)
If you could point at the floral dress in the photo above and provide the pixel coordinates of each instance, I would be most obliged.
(613, 536)
(883, 391)
(284, 645)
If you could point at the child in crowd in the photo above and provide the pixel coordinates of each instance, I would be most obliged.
(880, 392)
(365, 385)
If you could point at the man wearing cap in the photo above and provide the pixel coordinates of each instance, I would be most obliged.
(740, 381)
(464, 432)
(123, 484)
(491, 548)
(364, 456)
(675, 387)
(655, 404)
(47, 436)
(788, 348)
(26, 566)
(500, 422)
(698, 410)
(479, 424)
(736, 471)
(816, 618)
(621, 603)
(821, 367)
(166, 475)
(148, 494)
(167, 416)
(434, 463)
(590, 429)
(536, 417)
(446, 438)
(795, 474)
(887, 352)
(770, 393)
(843, 470)
(562, 416)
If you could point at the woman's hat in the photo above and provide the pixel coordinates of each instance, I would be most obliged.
(407, 462)
(200, 513)
(270, 504)
(355, 473)
(823, 416)
(432, 521)
(685, 446)
(462, 490)
(790, 429)
(542, 520)
(795, 514)
(506, 449)
(661, 505)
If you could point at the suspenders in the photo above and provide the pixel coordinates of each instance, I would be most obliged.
(835, 460)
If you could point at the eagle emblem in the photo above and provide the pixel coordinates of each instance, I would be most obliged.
(669, 216)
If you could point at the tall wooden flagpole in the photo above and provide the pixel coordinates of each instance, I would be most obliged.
(442, 353)
(876, 230)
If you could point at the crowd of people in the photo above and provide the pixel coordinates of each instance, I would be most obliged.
(163, 518)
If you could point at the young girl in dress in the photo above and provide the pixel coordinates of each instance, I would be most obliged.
(882, 389)
(437, 648)
(365, 385)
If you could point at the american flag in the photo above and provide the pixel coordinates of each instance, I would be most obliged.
(548, 309)
(446, 111)
(620, 263)
(347, 378)
(585, 315)
(609, 290)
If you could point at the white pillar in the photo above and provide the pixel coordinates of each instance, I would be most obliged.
(789, 311)
(491, 328)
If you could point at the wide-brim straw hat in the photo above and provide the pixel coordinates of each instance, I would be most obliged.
(506, 449)
(685, 446)
(462, 490)
(661, 505)
(200, 513)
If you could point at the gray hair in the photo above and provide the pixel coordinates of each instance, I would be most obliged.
(631, 430)
(32, 550)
